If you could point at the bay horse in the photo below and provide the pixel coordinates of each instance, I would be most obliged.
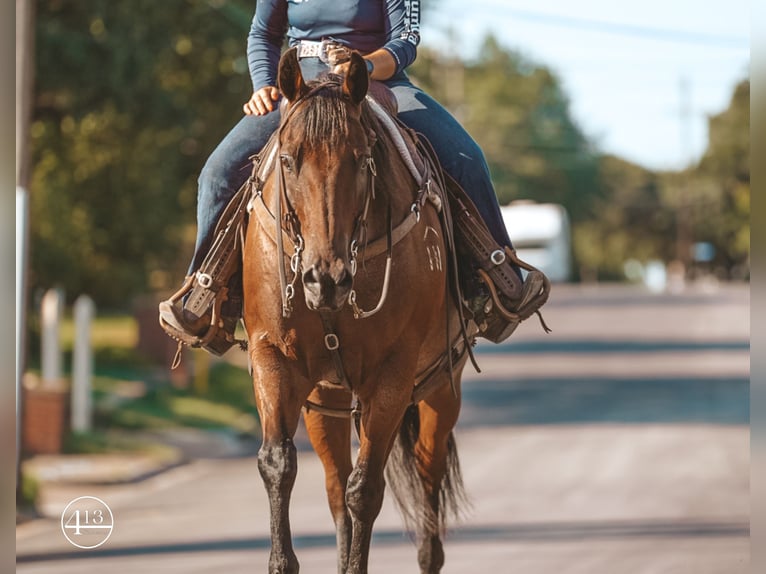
(337, 184)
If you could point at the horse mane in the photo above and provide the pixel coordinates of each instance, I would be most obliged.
(324, 117)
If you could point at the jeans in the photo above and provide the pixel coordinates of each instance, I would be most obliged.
(229, 166)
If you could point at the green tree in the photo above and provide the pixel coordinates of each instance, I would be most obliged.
(722, 209)
(130, 99)
(630, 221)
(519, 115)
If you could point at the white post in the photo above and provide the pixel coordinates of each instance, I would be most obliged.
(22, 218)
(82, 364)
(52, 304)
(25, 43)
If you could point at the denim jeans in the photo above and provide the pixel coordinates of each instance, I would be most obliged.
(229, 166)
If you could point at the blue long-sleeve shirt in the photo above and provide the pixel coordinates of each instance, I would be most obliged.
(364, 25)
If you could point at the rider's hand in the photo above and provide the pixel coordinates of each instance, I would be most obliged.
(341, 69)
(262, 102)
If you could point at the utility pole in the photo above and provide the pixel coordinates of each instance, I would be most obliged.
(683, 214)
(25, 44)
(24, 97)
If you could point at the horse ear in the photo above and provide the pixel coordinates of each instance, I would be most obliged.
(289, 77)
(357, 79)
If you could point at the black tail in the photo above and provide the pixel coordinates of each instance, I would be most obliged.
(419, 513)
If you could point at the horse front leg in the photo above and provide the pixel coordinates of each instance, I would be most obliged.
(279, 397)
(331, 439)
(381, 416)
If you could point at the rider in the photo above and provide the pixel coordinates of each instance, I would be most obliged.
(387, 35)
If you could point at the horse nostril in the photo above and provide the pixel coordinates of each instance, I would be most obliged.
(311, 276)
(344, 279)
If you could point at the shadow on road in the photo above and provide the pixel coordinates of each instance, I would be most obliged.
(594, 346)
(531, 532)
(575, 400)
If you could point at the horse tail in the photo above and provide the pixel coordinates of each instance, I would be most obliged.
(424, 514)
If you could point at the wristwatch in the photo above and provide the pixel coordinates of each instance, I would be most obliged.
(370, 66)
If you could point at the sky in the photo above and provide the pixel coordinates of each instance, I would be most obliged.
(642, 77)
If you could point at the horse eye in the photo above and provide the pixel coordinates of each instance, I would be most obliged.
(287, 162)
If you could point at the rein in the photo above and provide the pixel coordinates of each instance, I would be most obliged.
(287, 225)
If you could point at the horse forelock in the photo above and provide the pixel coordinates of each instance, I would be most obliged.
(324, 118)
(323, 115)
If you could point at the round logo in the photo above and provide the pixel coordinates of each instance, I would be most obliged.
(87, 522)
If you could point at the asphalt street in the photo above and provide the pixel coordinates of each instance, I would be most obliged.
(619, 443)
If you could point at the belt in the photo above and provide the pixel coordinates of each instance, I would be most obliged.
(331, 52)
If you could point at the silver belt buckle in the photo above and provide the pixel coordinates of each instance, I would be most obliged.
(309, 49)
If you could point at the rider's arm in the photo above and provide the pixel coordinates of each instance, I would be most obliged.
(264, 43)
(403, 30)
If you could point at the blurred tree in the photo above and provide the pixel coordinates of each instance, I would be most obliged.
(131, 98)
(721, 211)
(519, 115)
(630, 221)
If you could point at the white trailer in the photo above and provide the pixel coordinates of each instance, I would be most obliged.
(541, 235)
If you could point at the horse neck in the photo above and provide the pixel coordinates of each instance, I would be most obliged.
(394, 184)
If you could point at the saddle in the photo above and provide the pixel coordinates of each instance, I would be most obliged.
(482, 265)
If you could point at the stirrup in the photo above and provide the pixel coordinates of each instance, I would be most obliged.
(219, 336)
(169, 320)
(535, 292)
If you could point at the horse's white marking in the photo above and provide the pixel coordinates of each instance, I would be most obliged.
(433, 250)
(434, 257)
(432, 230)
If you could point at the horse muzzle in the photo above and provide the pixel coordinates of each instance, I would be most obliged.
(327, 286)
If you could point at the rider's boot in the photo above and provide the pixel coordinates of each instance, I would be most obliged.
(199, 316)
(502, 316)
(181, 323)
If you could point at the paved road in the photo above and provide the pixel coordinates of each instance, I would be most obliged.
(617, 444)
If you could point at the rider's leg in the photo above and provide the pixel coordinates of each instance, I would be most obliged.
(227, 168)
(458, 153)
(462, 158)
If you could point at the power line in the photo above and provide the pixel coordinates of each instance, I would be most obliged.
(618, 28)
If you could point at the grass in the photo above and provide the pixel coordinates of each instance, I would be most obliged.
(107, 332)
(29, 491)
(227, 403)
(166, 408)
(131, 393)
(101, 442)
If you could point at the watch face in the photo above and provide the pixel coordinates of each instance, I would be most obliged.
(370, 66)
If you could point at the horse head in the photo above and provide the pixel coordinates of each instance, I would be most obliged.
(326, 174)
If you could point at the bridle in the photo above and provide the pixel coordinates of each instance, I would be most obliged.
(286, 219)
